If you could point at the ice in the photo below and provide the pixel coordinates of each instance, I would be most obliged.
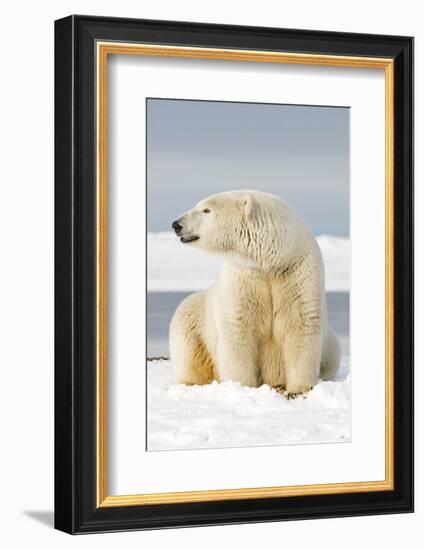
(174, 266)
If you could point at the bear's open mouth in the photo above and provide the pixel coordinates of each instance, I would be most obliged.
(189, 239)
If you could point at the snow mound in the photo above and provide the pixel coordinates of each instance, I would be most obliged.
(230, 415)
(173, 266)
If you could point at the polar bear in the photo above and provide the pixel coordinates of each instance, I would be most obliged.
(264, 321)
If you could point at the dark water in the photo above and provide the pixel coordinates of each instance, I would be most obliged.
(161, 306)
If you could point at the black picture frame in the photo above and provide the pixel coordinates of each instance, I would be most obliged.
(76, 510)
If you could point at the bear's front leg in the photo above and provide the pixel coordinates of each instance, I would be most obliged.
(302, 355)
(237, 353)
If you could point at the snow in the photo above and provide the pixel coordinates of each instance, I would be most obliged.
(227, 414)
(173, 266)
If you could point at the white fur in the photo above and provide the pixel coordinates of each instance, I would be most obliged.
(265, 319)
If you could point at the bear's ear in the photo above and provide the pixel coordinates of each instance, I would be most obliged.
(248, 205)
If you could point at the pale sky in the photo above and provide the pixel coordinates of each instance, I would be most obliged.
(197, 148)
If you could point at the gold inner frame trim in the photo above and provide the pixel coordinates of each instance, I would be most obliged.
(104, 49)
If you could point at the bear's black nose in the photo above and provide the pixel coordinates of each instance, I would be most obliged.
(176, 226)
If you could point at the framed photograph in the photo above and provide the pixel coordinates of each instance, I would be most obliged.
(234, 274)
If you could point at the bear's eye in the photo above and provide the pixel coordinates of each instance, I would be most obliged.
(206, 210)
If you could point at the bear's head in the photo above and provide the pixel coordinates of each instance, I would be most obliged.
(251, 226)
